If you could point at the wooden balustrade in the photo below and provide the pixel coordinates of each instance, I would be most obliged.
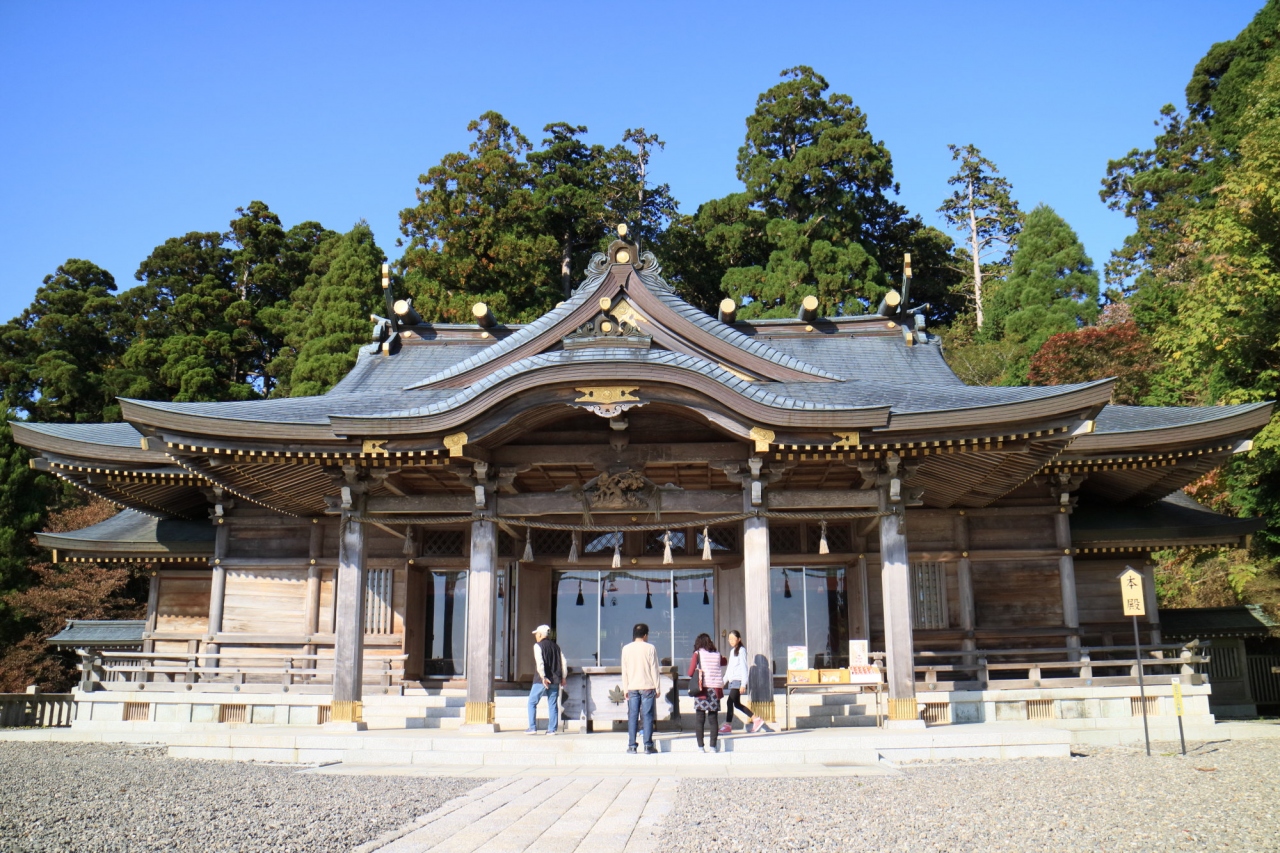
(235, 670)
(1095, 666)
(33, 708)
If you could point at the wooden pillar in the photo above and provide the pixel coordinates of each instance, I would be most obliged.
(217, 588)
(1067, 576)
(311, 618)
(759, 621)
(415, 599)
(895, 579)
(964, 581)
(1153, 612)
(348, 641)
(153, 603)
(481, 603)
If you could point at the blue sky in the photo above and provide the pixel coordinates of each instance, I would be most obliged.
(127, 123)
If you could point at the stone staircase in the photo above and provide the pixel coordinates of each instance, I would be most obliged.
(830, 710)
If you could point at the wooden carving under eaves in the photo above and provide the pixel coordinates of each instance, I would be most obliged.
(623, 490)
(638, 298)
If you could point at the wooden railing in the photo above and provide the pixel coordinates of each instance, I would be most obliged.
(1096, 666)
(230, 671)
(33, 708)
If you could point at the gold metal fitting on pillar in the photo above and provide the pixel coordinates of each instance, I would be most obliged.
(479, 713)
(903, 709)
(346, 712)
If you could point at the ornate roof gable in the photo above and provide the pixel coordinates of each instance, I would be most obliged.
(621, 304)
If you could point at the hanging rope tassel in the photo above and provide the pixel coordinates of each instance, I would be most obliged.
(675, 594)
(581, 601)
(786, 585)
(822, 543)
(648, 597)
(617, 552)
(528, 546)
(706, 543)
(706, 598)
(666, 549)
(573, 548)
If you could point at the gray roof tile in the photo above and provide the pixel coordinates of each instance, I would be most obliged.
(1117, 419)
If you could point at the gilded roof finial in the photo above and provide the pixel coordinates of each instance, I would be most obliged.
(622, 230)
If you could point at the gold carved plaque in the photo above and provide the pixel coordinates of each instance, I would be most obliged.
(762, 437)
(608, 401)
(374, 447)
(845, 439)
(455, 443)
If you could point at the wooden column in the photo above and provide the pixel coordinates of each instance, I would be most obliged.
(758, 623)
(348, 640)
(311, 619)
(481, 603)
(1153, 612)
(895, 580)
(964, 581)
(1067, 576)
(153, 602)
(415, 600)
(217, 587)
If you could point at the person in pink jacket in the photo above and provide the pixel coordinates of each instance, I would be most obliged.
(708, 664)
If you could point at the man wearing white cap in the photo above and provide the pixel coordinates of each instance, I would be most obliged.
(552, 668)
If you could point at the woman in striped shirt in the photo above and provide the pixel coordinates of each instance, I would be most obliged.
(706, 702)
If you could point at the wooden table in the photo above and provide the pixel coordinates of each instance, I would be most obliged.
(876, 688)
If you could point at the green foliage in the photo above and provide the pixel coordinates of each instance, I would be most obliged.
(1052, 286)
(981, 207)
(60, 359)
(25, 499)
(512, 227)
(338, 324)
(816, 215)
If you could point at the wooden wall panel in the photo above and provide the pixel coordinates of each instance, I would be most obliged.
(1098, 589)
(171, 647)
(286, 541)
(265, 601)
(927, 533)
(991, 532)
(325, 625)
(182, 604)
(1017, 594)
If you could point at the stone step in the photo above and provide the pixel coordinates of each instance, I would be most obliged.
(843, 721)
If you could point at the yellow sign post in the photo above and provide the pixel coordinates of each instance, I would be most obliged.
(1133, 597)
(1177, 709)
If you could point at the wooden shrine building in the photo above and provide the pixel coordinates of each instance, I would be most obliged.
(626, 458)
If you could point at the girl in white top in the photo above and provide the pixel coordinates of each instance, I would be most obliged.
(735, 682)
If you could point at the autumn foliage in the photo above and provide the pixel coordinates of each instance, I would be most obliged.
(1097, 352)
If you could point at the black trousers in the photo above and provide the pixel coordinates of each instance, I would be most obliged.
(701, 718)
(734, 700)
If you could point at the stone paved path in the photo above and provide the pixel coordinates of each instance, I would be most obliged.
(542, 815)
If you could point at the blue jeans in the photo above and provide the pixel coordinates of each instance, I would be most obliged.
(641, 709)
(553, 705)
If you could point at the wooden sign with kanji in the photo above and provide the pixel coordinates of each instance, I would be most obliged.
(1131, 592)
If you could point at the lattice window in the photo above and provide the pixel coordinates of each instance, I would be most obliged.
(784, 539)
(233, 713)
(601, 543)
(723, 540)
(1153, 706)
(443, 543)
(929, 595)
(1224, 663)
(506, 545)
(137, 712)
(936, 713)
(653, 544)
(1040, 709)
(377, 601)
(552, 544)
(839, 538)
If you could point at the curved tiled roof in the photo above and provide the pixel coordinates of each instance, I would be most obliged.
(110, 435)
(1118, 419)
(857, 357)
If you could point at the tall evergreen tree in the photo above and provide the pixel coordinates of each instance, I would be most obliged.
(338, 323)
(60, 359)
(816, 215)
(1052, 286)
(983, 208)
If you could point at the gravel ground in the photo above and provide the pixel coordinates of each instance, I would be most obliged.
(1220, 797)
(90, 797)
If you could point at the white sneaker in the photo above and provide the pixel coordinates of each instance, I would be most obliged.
(531, 731)
(553, 731)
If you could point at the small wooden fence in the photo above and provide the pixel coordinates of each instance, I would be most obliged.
(1264, 678)
(42, 710)
(1096, 666)
(231, 671)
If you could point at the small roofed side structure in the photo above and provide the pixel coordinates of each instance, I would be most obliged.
(121, 634)
(132, 537)
(1242, 678)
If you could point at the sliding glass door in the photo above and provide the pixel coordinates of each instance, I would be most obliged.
(810, 608)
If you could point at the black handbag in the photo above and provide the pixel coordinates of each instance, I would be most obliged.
(695, 681)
